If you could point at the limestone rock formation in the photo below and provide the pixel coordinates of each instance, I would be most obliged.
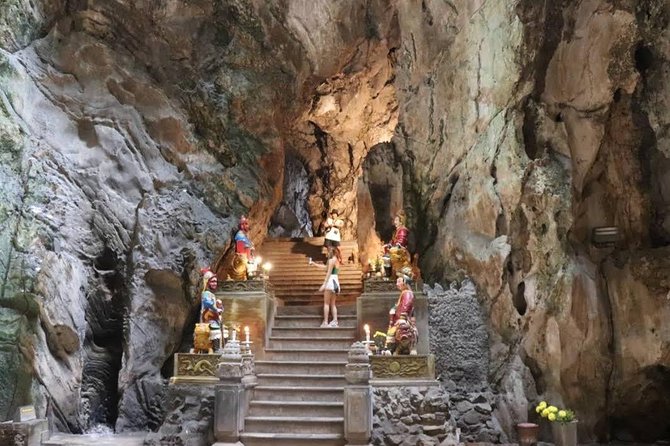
(133, 134)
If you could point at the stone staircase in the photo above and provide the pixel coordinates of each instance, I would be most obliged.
(297, 283)
(300, 392)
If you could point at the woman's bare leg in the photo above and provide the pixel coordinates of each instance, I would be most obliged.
(333, 297)
(326, 306)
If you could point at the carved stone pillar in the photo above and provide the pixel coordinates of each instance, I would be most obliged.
(229, 410)
(358, 397)
(249, 378)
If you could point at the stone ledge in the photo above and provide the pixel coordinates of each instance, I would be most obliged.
(195, 368)
(26, 433)
(403, 367)
(404, 383)
(374, 285)
(254, 285)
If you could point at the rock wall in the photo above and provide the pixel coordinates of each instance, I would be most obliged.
(458, 336)
(524, 126)
(133, 135)
(407, 416)
(189, 417)
(118, 183)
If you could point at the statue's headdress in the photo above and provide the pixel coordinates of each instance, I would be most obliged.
(243, 223)
(207, 275)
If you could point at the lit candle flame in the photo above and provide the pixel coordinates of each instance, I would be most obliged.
(246, 333)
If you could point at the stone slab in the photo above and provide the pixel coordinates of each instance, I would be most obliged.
(420, 383)
(255, 309)
(130, 439)
(26, 433)
(404, 367)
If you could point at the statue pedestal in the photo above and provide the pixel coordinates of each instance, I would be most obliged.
(372, 308)
(248, 303)
(195, 368)
(403, 370)
(23, 433)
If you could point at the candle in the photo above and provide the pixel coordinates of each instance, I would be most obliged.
(246, 333)
(366, 327)
(234, 333)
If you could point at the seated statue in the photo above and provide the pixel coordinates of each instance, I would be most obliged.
(396, 251)
(402, 335)
(244, 251)
(208, 334)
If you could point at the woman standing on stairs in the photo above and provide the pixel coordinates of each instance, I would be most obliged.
(331, 284)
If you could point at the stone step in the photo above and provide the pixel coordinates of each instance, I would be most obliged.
(298, 272)
(295, 425)
(316, 253)
(301, 367)
(302, 279)
(280, 260)
(300, 264)
(347, 296)
(316, 333)
(298, 243)
(313, 289)
(306, 354)
(322, 343)
(266, 439)
(299, 393)
(307, 321)
(301, 241)
(318, 300)
(287, 379)
(313, 310)
(296, 409)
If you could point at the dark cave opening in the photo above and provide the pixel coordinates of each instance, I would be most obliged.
(382, 175)
(520, 299)
(103, 343)
(381, 199)
(641, 412)
(644, 58)
(529, 129)
(292, 216)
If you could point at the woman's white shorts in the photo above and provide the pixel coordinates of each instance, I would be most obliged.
(333, 284)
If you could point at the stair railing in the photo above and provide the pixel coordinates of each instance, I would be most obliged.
(231, 401)
(358, 397)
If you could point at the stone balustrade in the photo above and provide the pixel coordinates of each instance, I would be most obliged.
(358, 397)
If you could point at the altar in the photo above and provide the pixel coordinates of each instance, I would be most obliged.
(372, 308)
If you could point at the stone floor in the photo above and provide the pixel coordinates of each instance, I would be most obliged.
(133, 439)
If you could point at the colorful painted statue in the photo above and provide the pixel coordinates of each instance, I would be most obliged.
(208, 333)
(244, 251)
(402, 334)
(396, 250)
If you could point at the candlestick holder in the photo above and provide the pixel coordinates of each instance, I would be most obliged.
(369, 346)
